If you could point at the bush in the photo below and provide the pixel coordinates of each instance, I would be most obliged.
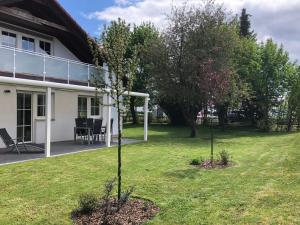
(197, 162)
(88, 203)
(224, 157)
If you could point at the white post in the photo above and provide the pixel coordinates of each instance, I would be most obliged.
(48, 122)
(14, 73)
(146, 119)
(108, 131)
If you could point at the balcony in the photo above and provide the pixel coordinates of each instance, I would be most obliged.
(18, 63)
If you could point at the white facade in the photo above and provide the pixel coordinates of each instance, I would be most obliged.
(64, 108)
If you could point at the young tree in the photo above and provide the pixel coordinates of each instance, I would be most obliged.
(115, 45)
(195, 38)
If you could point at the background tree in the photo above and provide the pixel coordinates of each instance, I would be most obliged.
(195, 37)
(115, 45)
(245, 25)
(140, 40)
(293, 114)
(270, 84)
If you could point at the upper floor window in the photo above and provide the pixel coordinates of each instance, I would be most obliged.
(45, 47)
(9, 39)
(28, 44)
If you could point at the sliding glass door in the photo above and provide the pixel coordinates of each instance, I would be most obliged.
(24, 116)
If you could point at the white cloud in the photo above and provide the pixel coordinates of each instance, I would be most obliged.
(122, 2)
(270, 18)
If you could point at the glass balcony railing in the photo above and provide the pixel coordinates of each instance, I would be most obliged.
(19, 63)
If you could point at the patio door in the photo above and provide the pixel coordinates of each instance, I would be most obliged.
(24, 116)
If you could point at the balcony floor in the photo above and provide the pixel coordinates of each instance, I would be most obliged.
(57, 148)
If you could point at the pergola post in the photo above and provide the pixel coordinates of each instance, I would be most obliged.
(48, 122)
(146, 119)
(108, 125)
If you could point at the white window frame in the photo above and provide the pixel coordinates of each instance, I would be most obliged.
(11, 32)
(95, 106)
(79, 107)
(45, 105)
(36, 38)
(41, 50)
(29, 37)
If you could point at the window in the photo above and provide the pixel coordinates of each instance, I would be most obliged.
(41, 105)
(95, 107)
(45, 47)
(28, 44)
(82, 107)
(9, 39)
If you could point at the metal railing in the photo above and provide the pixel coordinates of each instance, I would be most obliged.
(45, 67)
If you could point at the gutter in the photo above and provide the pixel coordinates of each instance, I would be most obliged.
(71, 87)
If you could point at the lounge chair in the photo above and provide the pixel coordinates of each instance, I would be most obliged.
(17, 144)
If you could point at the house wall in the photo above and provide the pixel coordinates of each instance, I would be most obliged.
(61, 51)
(65, 111)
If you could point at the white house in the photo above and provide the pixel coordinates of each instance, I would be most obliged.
(45, 69)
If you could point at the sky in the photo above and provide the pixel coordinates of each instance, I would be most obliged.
(277, 19)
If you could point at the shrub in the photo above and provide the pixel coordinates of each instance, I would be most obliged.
(197, 162)
(224, 157)
(88, 203)
(125, 197)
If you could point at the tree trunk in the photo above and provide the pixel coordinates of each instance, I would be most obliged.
(119, 150)
(193, 127)
(132, 110)
(174, 113)
(211, 143)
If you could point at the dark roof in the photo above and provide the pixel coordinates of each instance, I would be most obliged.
(48, 17)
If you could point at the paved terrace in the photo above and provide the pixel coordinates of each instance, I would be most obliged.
(57, 149)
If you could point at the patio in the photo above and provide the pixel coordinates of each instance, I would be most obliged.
(57, 149)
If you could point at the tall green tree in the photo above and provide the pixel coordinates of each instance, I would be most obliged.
(248, 65)
(270, 83)
(141, 38)
(293, 114)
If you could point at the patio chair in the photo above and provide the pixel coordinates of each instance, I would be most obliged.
(90, 125)
(17, 143)
(78, 131)
(97, 129)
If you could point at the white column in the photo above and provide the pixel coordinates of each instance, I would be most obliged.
(108, 118)
(48, 122)
(146, 119)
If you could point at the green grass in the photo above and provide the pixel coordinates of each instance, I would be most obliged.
(262, 188)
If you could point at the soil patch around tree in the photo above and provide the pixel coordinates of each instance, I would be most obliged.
(133, 212)
(217, 164)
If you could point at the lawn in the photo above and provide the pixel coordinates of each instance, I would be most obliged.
(263, 187)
